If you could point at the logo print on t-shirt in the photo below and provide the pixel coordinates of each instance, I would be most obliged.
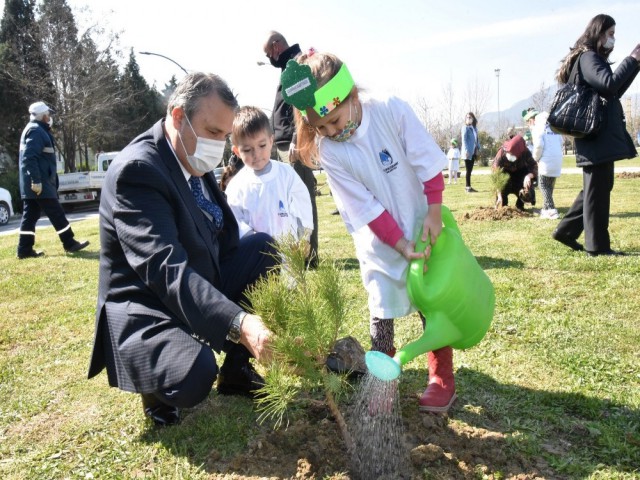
(387, 161)
(281, 210)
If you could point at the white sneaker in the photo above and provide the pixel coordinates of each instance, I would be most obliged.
(553, 214)
(544, 213)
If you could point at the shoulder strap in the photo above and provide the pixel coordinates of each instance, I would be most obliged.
(575, 70)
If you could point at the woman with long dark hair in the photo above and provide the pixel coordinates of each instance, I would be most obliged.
(588, 63)
(469, 148)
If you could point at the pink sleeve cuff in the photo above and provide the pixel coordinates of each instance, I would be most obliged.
(433, 189)
(386, 229)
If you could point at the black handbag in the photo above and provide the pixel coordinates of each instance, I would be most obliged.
(577, 109)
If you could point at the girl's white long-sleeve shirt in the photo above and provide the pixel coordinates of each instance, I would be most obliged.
(383, 166)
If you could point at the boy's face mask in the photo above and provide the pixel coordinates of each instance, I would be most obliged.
(511, 157)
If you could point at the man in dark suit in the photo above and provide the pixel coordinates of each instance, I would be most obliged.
(172, 268)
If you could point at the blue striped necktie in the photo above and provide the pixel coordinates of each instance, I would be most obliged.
(205, 204)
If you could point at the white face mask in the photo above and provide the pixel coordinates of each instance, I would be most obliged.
(50, 122)
(611, 41)
(511, 157)
(208, 153)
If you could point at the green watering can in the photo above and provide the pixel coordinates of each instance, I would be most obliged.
(455, 296)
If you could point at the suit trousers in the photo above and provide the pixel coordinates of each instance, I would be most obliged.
(253, 258)
(590, 209)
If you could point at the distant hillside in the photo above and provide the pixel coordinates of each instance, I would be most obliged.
(513, 115)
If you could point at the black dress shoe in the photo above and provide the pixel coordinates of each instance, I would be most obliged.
(239, 379)
(569, 242)
(76, 246)
(163, 415)
(30, 254)
(612, 253)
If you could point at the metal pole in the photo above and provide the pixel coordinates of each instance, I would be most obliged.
(497, 70)
(165, 57)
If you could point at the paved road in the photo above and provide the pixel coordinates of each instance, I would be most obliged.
(80, 214)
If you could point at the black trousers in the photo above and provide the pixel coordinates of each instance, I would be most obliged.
(590, 209)
(514, 185)
(251, 261)
(31, 211)
(468, 165)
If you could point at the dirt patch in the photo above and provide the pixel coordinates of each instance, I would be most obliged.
(438, 447)
(626, 175)
(491, 213)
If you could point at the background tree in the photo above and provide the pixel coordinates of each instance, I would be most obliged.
(100, 127)
(168, 90)
(477, 96)
(452, 116)
(541, 100)
(44, 56)
(488, 148)
(144, 105)
(24, 76)
(65, 56)
(431, 120)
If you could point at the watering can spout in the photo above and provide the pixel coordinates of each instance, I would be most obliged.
(455, 296)
(439, 332)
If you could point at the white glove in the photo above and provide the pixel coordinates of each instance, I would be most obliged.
(37, 188)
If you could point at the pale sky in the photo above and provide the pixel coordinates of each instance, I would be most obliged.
(410, 48)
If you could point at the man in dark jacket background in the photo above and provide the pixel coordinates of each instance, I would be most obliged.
(39, 184)
(279, 53)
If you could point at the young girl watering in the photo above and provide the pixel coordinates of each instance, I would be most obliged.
(385, 173)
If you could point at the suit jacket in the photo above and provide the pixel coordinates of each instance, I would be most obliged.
(159, 279)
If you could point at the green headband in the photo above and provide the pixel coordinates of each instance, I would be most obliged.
(299, 88)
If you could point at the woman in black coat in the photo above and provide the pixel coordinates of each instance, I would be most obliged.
(590, 210)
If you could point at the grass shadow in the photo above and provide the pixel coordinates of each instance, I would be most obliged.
(573, 433)
(498, 263)
(348, 264)
(625, 215)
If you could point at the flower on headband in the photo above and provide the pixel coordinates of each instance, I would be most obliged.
(336, 101)
(311, 52)
(323, 111)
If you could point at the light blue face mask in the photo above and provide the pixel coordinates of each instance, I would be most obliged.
(348, 130)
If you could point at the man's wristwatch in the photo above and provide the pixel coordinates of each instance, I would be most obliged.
(235, 330)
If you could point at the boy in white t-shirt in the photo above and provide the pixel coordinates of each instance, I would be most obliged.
(265, 196)
(454, 161)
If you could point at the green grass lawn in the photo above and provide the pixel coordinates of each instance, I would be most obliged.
(560, 362)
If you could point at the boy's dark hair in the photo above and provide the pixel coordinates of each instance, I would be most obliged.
(249, 121)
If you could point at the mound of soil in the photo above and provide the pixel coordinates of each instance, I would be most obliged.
(628, 175)
(312, 448)
(492, 213)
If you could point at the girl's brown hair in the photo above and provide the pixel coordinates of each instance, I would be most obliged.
(324, 66)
